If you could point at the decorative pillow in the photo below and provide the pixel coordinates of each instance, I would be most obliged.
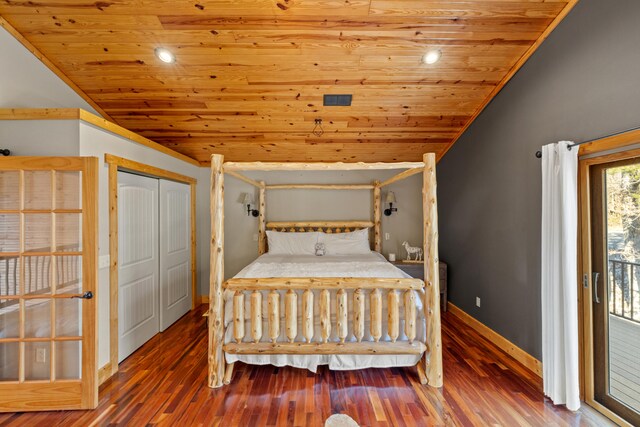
(356, 242)
(284, 243)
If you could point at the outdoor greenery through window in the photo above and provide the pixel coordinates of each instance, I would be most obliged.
(623, 236)
(623, 241)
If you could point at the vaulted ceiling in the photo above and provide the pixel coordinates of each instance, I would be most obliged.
(250, 75)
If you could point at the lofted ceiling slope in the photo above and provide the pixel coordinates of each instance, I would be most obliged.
(249, 75)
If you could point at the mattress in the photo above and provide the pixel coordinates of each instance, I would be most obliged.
(365, 265)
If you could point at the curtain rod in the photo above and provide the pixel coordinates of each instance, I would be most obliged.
(539, 153)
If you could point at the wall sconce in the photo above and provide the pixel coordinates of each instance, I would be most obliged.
(247, 199)
(391, 199)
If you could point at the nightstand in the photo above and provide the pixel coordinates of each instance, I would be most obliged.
(417, 271)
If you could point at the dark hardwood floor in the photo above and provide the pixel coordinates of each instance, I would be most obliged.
(165, 383)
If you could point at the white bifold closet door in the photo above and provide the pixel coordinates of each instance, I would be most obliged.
(138, 261)
(175, 251)
(154, 257)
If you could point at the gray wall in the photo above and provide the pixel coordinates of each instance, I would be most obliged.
(582, 83)
(309, 205)
(25, 82)
(40, 137)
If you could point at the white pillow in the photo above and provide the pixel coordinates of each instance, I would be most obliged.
(285, 243)
(354, 243)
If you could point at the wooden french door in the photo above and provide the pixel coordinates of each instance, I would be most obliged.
(48, 275)
(615, 290)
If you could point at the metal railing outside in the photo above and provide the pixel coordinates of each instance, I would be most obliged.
(624, 290)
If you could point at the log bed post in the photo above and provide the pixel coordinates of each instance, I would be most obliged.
(432, 360)
(377, 238)
(216, 304)
(262, 220)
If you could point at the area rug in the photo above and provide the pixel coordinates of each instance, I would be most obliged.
(340, 420)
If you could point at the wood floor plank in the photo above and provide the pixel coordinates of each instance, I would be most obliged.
(164, 383)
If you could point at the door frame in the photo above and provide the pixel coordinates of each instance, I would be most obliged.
(600, 151)
(125, 165)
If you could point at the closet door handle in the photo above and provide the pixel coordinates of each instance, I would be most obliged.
(595, 287)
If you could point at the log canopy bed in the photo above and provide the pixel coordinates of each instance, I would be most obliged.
(369, 317)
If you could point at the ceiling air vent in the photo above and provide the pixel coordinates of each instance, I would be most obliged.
(337, 100)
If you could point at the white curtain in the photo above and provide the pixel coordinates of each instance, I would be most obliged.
(559, 274)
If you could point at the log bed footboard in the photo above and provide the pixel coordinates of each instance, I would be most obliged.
(315, 320)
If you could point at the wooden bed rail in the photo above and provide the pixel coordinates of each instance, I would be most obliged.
(284, 283)
(317, 166)
(372, 348)
(398, 291)
(320, 187)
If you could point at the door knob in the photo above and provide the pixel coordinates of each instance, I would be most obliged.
(86, 295)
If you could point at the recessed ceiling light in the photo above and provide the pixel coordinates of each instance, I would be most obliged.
(432, 56)
(164, 55)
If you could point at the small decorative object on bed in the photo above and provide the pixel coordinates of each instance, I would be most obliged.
(320, 249)
(416, 251)
(349, 309)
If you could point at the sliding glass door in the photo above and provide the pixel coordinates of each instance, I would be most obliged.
(615, 290)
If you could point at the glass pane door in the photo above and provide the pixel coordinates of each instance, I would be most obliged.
(47, 316)
(616, 299)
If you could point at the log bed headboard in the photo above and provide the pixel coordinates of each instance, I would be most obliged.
(325, 226)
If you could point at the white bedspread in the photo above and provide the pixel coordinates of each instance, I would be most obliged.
(366, 265)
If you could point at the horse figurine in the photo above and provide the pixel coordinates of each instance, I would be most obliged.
(412, 250)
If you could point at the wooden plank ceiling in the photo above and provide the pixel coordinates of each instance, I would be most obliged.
(250, 74)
